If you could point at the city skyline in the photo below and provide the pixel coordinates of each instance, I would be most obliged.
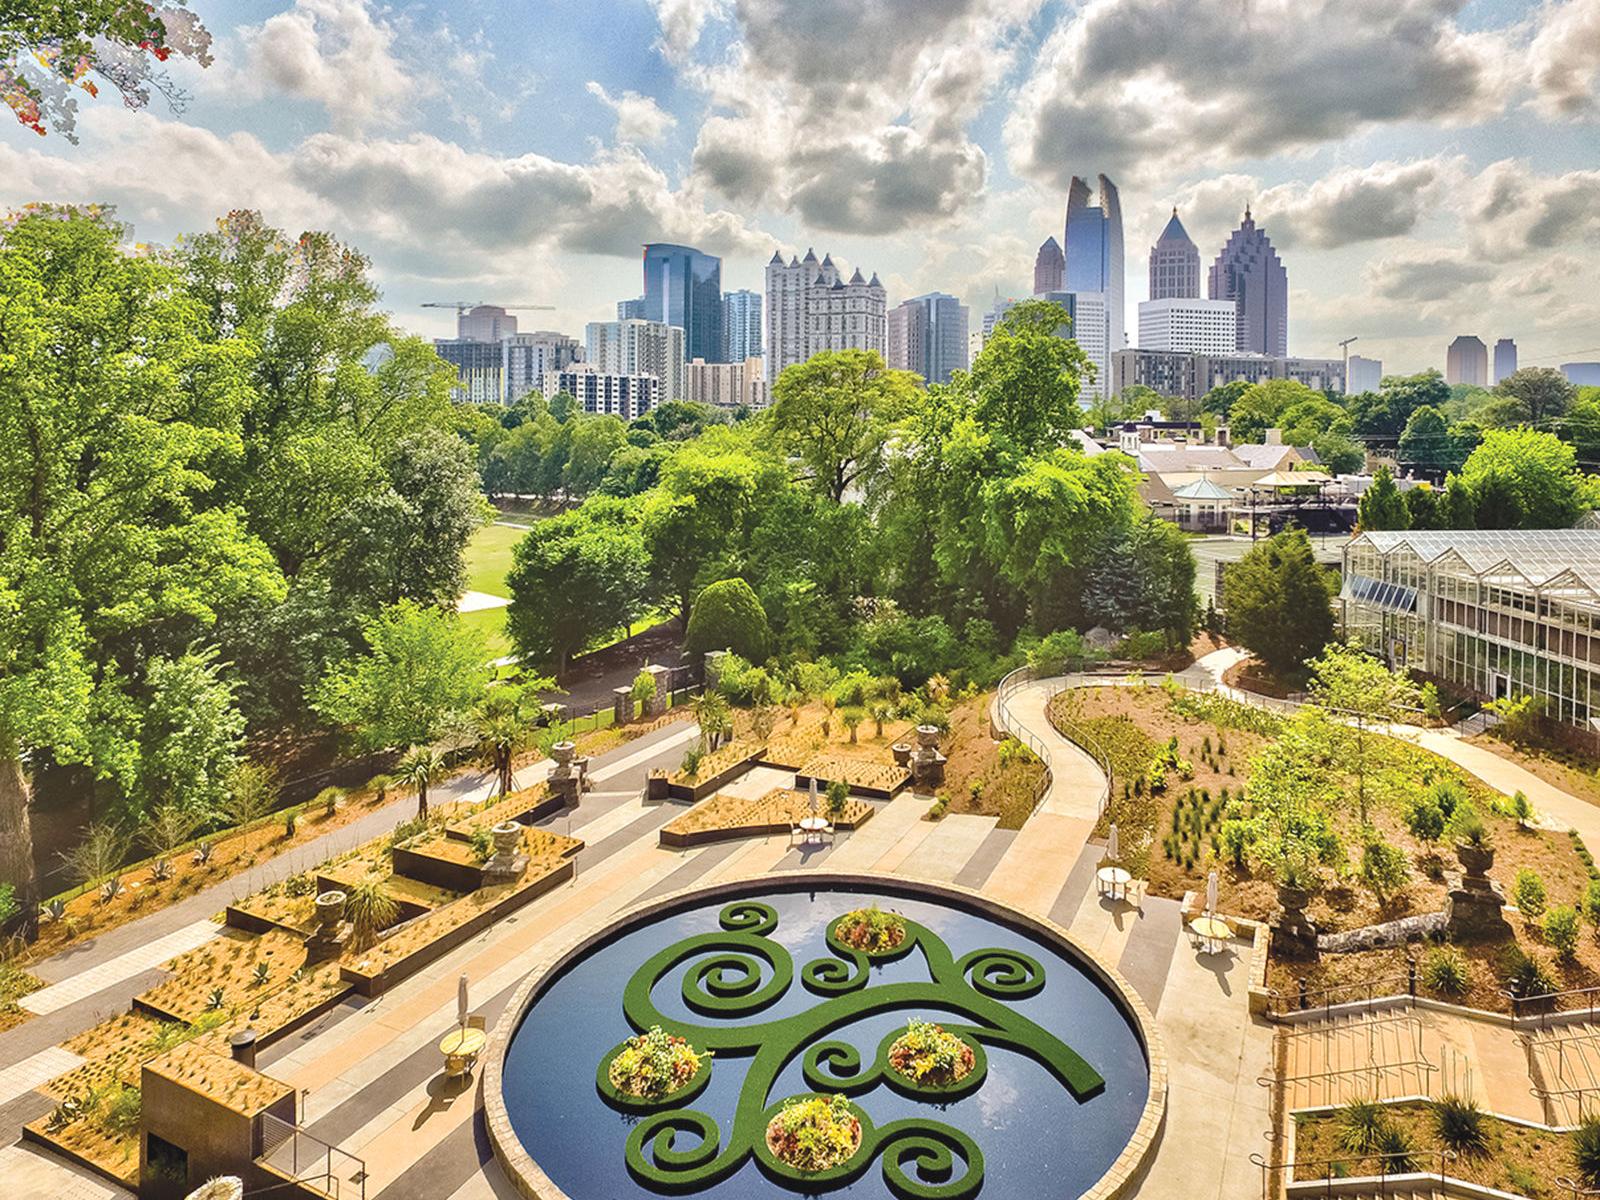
(415, 135)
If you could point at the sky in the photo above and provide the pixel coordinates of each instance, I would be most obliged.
(1425, 167)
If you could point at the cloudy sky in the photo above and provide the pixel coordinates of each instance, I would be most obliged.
(1426, 167)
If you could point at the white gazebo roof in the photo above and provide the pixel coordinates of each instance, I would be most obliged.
(1201, 489)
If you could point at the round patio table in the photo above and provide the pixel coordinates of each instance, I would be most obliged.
(1112, 878)
(814, 828)
(461, 1048)
(1213, 932)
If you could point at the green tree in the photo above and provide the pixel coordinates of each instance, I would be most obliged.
(1389, 409)
(1382, 505)
(835, 412)
(1541, 393)
(1338, 452)
(1263, 405)
(1360, 692)
(1223, 397)
(1026, 380)
(727, 615)
(1524, 479)
(1458, 509)
(422, 666)
(1431, 444)
(418, 769)
(1143, 579)
(1279, 602)
(574, 578)
(190, 734)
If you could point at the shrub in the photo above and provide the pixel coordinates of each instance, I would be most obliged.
(1447, 793)
(690, 767)
(1586, 1150)
(369, 910)
(1520, 808)
(1393, 1146)
(329, 798)
(1430, 701)
(1466, 826)
(838, 797)
(122, 1112)
(1460, 1124)
(1591, 902)
(1527, 977)
(1383, 869)
(1425, 820)
(644, 687)
(1529, 893)
(1561, 931)
(727, 615)
(1445, 971)
(1359, 1124)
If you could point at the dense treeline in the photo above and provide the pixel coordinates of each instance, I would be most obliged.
(218, 464)
(903, 532)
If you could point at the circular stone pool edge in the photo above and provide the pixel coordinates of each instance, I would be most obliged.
(530, 1180)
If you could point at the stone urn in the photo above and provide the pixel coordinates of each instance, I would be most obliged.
(330, 912)
(507, 837)
(508, 861)
(1475, 860)
(562, 753)
(1294, 934)
(901, 752)
(927, 736)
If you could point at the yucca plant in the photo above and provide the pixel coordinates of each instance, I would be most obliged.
(369, 909)
(1586, 1150)
(1359, 1125)
(1445, 971)
(1460, 1124)
(1393, 1147)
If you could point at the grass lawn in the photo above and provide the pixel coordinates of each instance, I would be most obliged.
(488, 561)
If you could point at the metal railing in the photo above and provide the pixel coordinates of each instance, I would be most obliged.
(1378, 989)
(304, 1158)
(1008, 723)
(1577, 1189)
(1547, 1005)
(1388, 1174)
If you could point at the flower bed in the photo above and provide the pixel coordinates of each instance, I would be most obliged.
(814, 1135)
(870, 930)
(929, 1056)
(524, 806)
(654, 1065)
(229, 972)
(723, 817)
(720, 767)
(880, 780)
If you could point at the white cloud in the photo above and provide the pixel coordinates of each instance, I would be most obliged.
(335, 53)
(1357, 204)
(1564, 60)
(1138, 87)
(640, 120)
(682, 22)
(1510, 210)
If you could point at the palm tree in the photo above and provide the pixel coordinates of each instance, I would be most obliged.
(711, 714)
(369, 909)
(420, 767)
(851, 717)
(880, 713)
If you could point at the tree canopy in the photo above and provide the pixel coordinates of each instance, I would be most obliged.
(1279, 602)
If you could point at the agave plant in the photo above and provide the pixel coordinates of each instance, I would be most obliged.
(215, 1000)
(110, 890)
(161, 871)
(260, 974)
(202, 853)
(53, 910)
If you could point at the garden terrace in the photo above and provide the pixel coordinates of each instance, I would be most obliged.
(1517, 1157)
(232, 963)
(95, 1140)
(218, 1077)
(882, 781)
(414, 897)
(714, 770)
(113, 1051)
(724, 817)
(984, 777)
(798, 737)
(526, 806)
(273, 907)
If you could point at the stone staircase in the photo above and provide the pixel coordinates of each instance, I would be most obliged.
(1358, 1056)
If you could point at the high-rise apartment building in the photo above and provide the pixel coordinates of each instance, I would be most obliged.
(1049, 268)
(812, 308)
(1467, 362)
(1189, 325)
(631, 310)
(485, 323)
(1093, 249)
(1364, 374)
(607, 393)
(1250, 273)
(1091, 328)
(730, 384)
(741, 326)
(1191, 376)
(1174, 265)
(683, 287)
(639, 348)
(928, 335)
(503, 370)
(1505, 359)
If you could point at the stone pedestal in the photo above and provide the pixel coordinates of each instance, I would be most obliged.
(570, 777)
(657, 704)
(902, 754)
(926, 763)
(508, 862)
(713, 669)
(328, 940)
(1293, 934)
(1472, 909)
(622, 704)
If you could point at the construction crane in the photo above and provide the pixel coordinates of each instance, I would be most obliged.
(462, 306)
(1345, 347)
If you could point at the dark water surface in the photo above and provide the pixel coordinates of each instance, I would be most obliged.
(1036, 1139)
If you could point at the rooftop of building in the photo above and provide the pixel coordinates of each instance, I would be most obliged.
(1536, 557)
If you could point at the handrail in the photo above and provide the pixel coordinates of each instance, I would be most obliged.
(1009, 724)
(319, 1161)
(1576, 1188)
(1402, 1163)
(1305, 999)
(1554, 1001)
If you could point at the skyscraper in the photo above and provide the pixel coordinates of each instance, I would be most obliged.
(928, 335)
(1174, 264)
(741, 326)
(1505, 359)
(1091, 328)
(1250, 273)
(639, 348)
(811, 308)
(1049, 268)
(1467, 361)
(631, 310)
(1093, 249)
(485, 323)
(1365, 374)
(683, 287)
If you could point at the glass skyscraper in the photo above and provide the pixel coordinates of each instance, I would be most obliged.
(683, 287)
(1093, 249)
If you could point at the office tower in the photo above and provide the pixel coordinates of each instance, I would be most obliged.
(639, 348)
(607, 392)
(1191, 376)
(1190, 325)
(1582, 374)
(1093, 249)
(503, 371)
(631, 310)
(728, 385)
(1249, 272)
(811, 308)
(1090, 327)
(1174, 265)
(999, 309)
(1467, 361)
(928, 335)
(1049, 268)
(485, 323)
(741, 326)
(683, 287)
(1366, 374)
(1505, 359)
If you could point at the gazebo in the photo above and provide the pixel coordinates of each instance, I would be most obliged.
(1203, 505)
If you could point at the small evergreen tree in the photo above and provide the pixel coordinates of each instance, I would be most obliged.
(727, 615)
(1382, 505)
(1278, 601)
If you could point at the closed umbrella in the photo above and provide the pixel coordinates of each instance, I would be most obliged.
(1113, 848)
(461, 1002)
(1211, 893)
(815, 807)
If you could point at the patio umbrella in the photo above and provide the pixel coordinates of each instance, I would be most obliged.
(1211, 893)
(1112, 847)
(461, 1002)
(815, 808)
